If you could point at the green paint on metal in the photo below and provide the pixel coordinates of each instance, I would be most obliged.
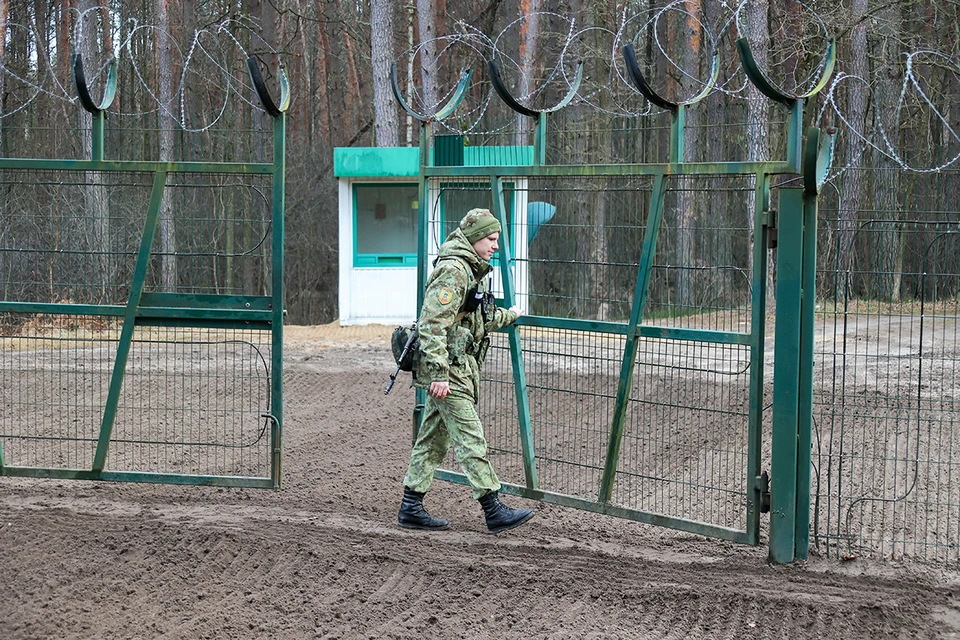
(136, 476)
(171, 309)
(97, 137)
(643, 331)
(145, 311)
(458, 95)
(278, 294)
(817, 159)
(629, 360)
(805, 383)
(206, 323)
(448, 150)
(497, 156)
(129, 320)
(680, 524)
(516, 351)
(829, 65)
(626, 169)
(136, 166)
(795, 137)
(785, 414)
(756, 75)
(404, 162)
(205, 301)
(540, 141)
(757, 348)
(678, 124)
(62, 308)
(376, 162)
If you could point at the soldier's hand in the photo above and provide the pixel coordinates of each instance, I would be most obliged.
(517, 310)
(439, 389)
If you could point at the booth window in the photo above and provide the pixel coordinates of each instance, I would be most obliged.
(385, 224)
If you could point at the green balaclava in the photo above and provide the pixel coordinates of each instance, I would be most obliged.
(478, 224)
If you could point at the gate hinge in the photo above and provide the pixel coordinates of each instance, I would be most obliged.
(761, 484)
(768, 219)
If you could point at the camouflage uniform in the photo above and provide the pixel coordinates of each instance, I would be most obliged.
(449, 340)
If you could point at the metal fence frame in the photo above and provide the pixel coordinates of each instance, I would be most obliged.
(169, 309)
(795, 216)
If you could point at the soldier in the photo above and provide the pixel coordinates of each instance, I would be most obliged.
(456, 317)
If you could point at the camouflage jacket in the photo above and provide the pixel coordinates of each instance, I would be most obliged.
(448, 337)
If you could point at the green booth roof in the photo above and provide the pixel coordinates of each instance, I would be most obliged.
(404, 162)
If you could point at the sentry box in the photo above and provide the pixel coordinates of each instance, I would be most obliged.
(379, 222)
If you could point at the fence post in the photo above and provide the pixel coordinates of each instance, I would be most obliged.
(805, 382)
(786, 376)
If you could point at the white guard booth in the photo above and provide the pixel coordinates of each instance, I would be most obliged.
(379, 208)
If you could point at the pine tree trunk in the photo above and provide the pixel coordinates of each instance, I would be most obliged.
(888, 194)
(386, 126)
(98, 221)
(427, 22)
(166, 229)
(589, 203)
(529, 39)
(758, 117)
(4, 11)
(851, 195)
(688, 278)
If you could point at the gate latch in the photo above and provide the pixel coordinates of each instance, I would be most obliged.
(761, 485)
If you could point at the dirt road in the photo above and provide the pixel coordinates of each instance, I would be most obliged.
(323, 557)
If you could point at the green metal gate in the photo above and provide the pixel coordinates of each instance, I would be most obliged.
(109, 372)
(613, 400)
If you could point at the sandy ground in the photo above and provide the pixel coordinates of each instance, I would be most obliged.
(323, 557)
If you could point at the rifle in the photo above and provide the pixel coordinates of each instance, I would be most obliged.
(402, 359)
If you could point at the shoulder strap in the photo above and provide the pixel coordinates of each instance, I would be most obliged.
(458, 260)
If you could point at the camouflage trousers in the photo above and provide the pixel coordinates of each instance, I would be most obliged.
(452, 419)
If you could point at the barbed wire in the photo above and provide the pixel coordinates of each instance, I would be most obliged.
(651, 28)
(884, 142)
(215, 55)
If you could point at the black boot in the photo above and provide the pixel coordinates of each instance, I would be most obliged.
(499, 516)
(413, 516)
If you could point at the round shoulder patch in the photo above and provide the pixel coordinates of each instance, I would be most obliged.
(445, 296)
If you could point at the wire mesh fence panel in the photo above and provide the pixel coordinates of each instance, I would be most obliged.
(70, 236)
(193, 402)
(498, 411)
(685, 447)
(217, 236)
(196, 374)
(583, 260)
(572, 379)
(54, 376)
(703, 268)
(887, 380)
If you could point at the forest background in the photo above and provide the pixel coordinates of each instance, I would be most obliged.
(894, 99)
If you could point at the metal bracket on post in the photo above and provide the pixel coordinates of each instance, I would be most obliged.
(794, 101)
(98, 111)
(796, 274)
(676, 109)
(539, 153)
(275, 438)
(761, 484)
(275, 109)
